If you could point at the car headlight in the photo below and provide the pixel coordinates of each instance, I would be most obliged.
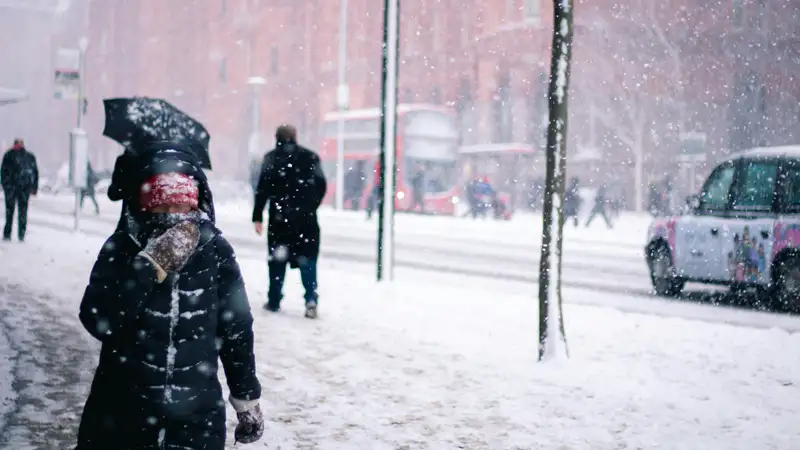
(455, 200)
(401, 195)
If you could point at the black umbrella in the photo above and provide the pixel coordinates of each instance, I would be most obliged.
(140, 120)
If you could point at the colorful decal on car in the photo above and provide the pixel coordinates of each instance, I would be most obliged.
(787, 235)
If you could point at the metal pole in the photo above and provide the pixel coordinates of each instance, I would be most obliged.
(81, 87)
(341, 100)
(388, 140)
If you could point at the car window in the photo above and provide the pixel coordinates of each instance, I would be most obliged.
(791, 187)
(756, 186)
(717, 187)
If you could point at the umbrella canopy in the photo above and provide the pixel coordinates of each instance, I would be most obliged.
(9, 96)
(137, 121)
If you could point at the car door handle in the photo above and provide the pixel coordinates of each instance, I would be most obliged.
(714, 231)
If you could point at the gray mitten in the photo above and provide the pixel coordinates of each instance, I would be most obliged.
(170, 251)
(251, 425)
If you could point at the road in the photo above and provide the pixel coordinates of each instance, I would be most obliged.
(498, 250)
(498, 255)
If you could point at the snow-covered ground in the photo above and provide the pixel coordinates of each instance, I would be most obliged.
(7, 395)
(440, 362)
(596, 258)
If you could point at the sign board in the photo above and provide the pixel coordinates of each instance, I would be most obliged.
(78, 158)
(67, 74)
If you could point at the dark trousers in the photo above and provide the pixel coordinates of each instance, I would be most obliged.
(90, 193)
(16, 199)
(277, 276)
(602, 211)
(418, 200)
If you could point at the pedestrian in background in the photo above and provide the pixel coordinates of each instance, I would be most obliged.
(293, 183)
(19, 175)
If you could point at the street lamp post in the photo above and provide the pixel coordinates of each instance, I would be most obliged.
(342, 101)
(79, 144)
(253, 143)
(388, 140)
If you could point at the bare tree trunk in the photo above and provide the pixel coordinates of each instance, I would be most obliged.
(551, 320)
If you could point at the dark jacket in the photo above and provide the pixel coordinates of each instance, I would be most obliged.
(572, 200)
(19, 171)
(157, 374)
(293, 183)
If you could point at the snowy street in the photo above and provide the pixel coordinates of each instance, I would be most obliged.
(433, 361)
(595, 258)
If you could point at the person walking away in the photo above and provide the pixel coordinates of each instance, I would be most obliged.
(166, 300)
(655, 205)
(572, 201)
(600, 203)
(372, 199)
(418, 189)
(89, 191)
(293, 183)
(354, 186)
(19, 175)
(472, 199)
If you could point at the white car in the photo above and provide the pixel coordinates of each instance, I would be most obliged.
(742, 230)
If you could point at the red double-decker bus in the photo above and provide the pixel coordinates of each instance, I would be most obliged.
(427, 140)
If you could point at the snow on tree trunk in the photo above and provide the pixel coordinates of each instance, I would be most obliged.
(552, 336)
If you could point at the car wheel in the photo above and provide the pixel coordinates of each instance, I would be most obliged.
(662, 273)
(786, 285)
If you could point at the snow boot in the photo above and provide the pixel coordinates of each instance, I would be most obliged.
(311, 310)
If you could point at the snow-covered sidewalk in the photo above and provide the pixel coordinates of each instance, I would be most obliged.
(46, 370)
(428, 365)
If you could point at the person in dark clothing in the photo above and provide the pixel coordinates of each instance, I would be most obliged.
(600, 202)
(354, 181)
(166, 299)
(293, 183)
(418, 189)
(654, 205)
(91, 181)
(20, 178)
(372, 199)
(572, 201)
(472, 198)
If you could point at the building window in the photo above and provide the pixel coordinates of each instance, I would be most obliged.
(465, 23)
(223, 71)
(737, 15)
(436, 96)
(274, 61)
(532, 9)
(463, 106)
(501, 109)
(511, 8)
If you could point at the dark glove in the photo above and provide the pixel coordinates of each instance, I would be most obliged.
(170, 251)
(250, 427)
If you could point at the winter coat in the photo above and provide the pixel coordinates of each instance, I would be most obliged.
(293, 183)
(156, 384)
(19, 172)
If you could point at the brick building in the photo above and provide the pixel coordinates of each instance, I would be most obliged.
(486, 58)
